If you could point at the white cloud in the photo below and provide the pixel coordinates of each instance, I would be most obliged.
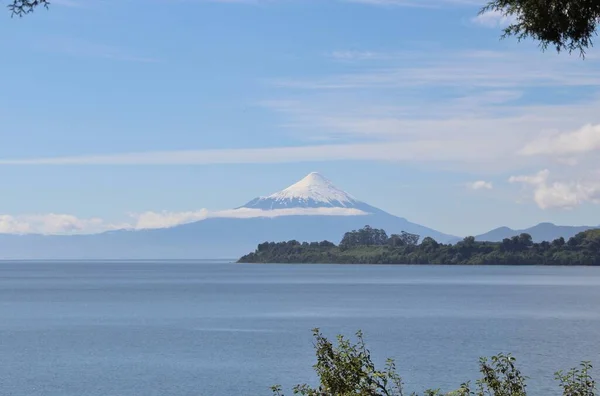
(494, 19)
(165, 219)
(52, 223)
(539, 178)
(64, 224)
(480, 185)
(582, 140)
(11, 225)
(559, 194)
(149, 220)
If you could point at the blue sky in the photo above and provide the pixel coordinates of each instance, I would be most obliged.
(113, 108)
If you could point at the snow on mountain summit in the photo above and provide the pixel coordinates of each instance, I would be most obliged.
(317, 188)
(313, 191)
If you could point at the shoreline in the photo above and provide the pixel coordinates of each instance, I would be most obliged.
(424, 265)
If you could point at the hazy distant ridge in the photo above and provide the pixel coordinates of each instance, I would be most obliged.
(539, 233)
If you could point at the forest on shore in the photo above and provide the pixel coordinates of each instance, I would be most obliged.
(373, 246)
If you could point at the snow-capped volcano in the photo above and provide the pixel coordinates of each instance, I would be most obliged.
(312, 209)
(314, 191)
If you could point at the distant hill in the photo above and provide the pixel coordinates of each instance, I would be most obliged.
(539, 233)
(311, 209)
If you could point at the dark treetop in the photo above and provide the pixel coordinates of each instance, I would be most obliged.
(373, 246)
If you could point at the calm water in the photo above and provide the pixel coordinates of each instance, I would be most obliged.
(182, 328)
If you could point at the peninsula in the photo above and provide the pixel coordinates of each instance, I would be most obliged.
(373, 246)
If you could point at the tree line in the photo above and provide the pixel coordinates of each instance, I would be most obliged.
(373, 246)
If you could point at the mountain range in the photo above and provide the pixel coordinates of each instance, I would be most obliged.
(312, 209)
(539, 233)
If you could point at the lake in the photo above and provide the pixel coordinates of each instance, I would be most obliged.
(217, 328)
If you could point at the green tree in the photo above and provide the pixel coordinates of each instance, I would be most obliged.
(396, 241)
(559, 242)
(366, 236)
(347, 369)
(428, 244)
(525, 240)
(469, 241)
(410, 239)
(577, 381)
(566, 25)
(500, 377)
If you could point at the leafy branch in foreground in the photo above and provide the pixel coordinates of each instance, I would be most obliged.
(347, 370)
(23, 7)
(567, 25)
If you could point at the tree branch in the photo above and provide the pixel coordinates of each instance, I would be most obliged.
(24, 7)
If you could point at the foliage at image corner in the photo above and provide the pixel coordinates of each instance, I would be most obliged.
(566, 25)
(23, 7)
(346, 369)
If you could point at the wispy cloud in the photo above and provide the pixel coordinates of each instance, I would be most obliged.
(480, 185)
(494, 19)
(376, 3)
(463, 110)
(484, 69)
(68, 3)
(348, 55)
(53, 223)
(483, 129)
(418, 3)
(472, 137)
(467, 107)
(83, 48)
(424, 150)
